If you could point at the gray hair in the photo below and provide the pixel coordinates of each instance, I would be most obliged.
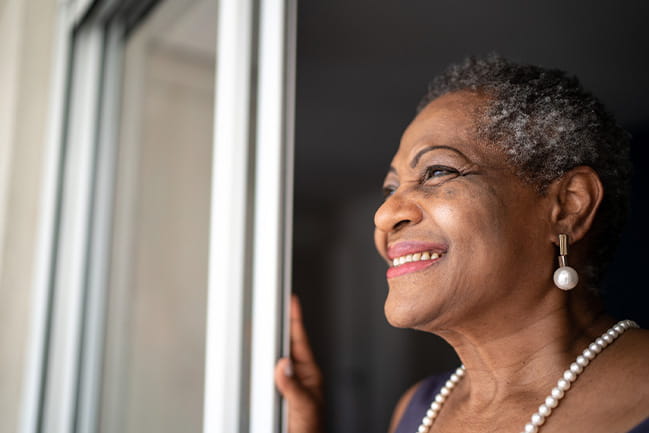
(547, 124)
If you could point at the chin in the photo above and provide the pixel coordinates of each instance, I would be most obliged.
(402, 314)
(414, 308)
(396, 320)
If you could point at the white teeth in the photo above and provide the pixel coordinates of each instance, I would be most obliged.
(415, 258)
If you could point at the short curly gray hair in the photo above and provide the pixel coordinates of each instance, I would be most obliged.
(548, 124)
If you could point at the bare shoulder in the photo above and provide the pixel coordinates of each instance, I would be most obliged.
(401, 406)
(633, 349)
(636, 349)
(627, 363)
(624, 377)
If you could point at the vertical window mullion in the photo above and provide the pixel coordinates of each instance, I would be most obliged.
(229, 219)
(69, 271)
(273, 205)
(36, 357)
(246, 214)
(94, 322)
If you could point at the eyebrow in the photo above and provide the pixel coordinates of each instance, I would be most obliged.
(419, 154)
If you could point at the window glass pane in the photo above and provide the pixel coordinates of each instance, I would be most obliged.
(153, 370)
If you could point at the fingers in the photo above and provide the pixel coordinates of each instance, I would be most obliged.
(287, 383)
(304, 407)
(304, 365)
(299, 379)
(300, 347)
(283, 376)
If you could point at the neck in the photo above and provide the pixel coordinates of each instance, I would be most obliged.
(525, 353)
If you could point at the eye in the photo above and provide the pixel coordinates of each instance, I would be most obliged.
(438, 171)
(388, 190)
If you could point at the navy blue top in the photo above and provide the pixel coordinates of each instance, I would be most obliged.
(426, 392)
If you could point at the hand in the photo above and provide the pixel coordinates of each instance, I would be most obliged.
(299, 379)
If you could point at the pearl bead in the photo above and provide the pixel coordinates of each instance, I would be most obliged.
(445, 392)
(551, 402)
(601, 342)
(588, 354)
(537, 419)
(583, 361)
(566, 278)
(431, 413)
(607, 338)
(449, 384)
(426, 421)
(422, 429)
(576, 368)
(545, 410)
(619, 328)
(569, 376)
(557, 393)
(531, 428)
(439, 398)
(455, 378)
(435, 406)
(563, 384)
(613, 333)
(595, 347)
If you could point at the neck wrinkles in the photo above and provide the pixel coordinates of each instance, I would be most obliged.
(525, 355)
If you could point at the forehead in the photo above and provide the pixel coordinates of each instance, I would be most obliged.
(449, 120)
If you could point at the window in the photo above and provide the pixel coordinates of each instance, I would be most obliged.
(172, 183)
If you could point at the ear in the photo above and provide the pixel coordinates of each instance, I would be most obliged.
(575, 196)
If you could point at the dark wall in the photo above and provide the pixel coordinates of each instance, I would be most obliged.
(362, 67)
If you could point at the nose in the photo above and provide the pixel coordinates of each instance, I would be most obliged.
(395, 212)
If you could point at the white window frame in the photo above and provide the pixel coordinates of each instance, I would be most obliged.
(251, 209)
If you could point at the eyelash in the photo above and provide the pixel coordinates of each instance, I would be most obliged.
(428, 174)
(388, 191)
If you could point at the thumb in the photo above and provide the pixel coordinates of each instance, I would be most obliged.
(304, 407)
(286, 381)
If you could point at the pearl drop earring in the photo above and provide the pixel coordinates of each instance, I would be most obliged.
(565, 277)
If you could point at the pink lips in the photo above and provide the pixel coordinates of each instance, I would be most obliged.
(411, 247)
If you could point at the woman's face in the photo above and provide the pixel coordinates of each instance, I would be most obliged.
(464, 236)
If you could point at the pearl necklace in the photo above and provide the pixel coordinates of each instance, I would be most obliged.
(557, 393)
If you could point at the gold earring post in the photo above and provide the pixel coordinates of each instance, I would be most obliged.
(563, 249)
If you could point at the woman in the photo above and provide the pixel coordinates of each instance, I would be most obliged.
(503, 204)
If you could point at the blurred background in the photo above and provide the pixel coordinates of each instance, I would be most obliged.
(362, 67)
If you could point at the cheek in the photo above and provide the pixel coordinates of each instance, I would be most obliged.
(471, 220)
(488, 237)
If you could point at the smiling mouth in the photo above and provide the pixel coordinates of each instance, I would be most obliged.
(416, 257)
(412, 263)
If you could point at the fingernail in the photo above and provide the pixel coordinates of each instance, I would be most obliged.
(288, 368)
